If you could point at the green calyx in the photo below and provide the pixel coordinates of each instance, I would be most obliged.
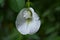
(28, 3)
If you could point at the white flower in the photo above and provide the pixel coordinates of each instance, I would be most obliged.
(27, 21)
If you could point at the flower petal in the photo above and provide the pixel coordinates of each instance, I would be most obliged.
(30, 28)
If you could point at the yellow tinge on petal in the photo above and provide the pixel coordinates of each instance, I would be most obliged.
(28, 20)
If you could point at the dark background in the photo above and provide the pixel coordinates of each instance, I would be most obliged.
(48, 11)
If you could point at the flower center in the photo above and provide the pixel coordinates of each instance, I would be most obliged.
(28, 15)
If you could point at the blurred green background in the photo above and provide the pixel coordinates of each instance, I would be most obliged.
(48, 11)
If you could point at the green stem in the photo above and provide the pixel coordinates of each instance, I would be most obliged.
(28, 3)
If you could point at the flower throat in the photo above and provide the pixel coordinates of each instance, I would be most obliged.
(29, 19)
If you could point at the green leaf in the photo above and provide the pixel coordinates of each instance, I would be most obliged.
(14, 36)
(16, 5)
(1, 3)
(52, 36)
(46, 13)
(49, 30)
(57, 38)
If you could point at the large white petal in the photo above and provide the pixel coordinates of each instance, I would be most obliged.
(25, 28)
(20, 19)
